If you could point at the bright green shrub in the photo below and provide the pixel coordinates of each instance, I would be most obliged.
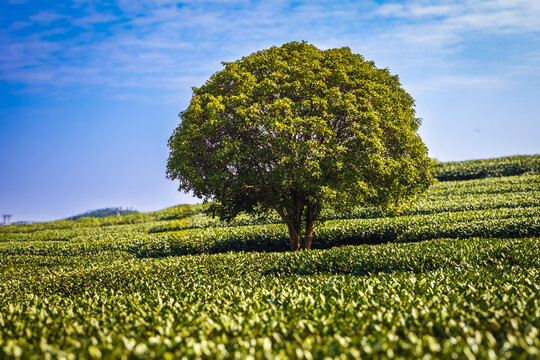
(442, 298)
(475, 169)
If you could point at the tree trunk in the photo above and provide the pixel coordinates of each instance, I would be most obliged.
(295, 222)
(310, 226)
(308, 236)
(302, 211)
(294, 237)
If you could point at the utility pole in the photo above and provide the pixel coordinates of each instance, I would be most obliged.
(6, 218)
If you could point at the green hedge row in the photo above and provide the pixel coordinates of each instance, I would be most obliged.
(494, 185)
(483, 194)
(90, 272)
(446, 299)
(503, 223)
(475, 169)
(175, 212)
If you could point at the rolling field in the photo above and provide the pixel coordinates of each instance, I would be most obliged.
(456, 275)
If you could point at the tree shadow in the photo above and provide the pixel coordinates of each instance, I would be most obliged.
(177, 247)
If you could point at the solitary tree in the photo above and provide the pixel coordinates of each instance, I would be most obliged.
(297, 129)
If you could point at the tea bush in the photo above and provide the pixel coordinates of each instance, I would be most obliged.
(446, 298)
(456, 275)
(475, 169)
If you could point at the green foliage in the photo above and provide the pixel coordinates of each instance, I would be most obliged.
(451, 196)
(296, 129)
(501, 207)
(445, 298)
(107, 288)
(502, 223)
(475, 169)
(139, 219)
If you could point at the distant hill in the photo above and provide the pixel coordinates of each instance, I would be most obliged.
(100, 213)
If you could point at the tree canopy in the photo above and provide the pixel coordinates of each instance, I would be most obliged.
(296, 129)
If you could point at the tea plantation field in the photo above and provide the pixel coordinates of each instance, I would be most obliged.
(456, 275)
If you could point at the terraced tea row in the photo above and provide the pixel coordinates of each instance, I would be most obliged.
(484, 194)
(41, 272)
(476, 169)
(109, 288)
(476, 298)
(520, 222)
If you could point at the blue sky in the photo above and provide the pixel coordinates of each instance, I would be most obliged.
(90, 91)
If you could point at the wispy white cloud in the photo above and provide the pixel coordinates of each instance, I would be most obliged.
(418, 9)
(461, 17)
(160, 45)
(457, 82)
(46, 17)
